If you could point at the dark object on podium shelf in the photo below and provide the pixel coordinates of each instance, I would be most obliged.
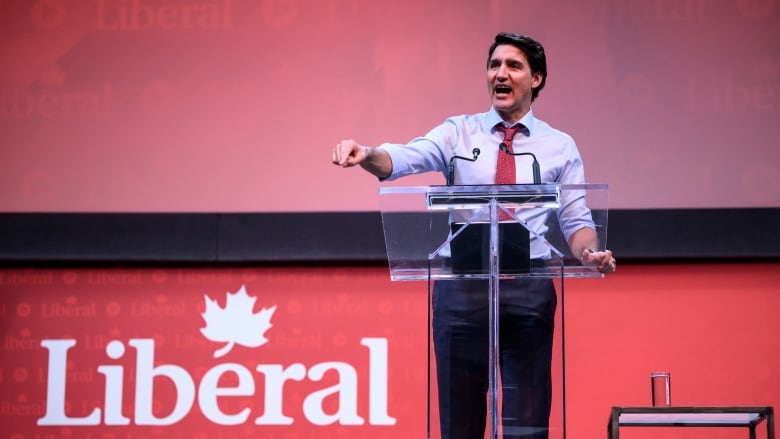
(471, 248)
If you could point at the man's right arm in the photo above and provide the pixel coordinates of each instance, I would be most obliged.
(377, 161)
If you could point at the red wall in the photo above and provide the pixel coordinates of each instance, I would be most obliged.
(197, 105)
(714, 327)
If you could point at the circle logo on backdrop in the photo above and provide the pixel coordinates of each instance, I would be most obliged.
(159, 276)
(20, 374)
(113, 309)
(70, 277)
(23, 309)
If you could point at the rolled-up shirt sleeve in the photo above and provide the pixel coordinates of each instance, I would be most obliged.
(574, 213)
(422, 154)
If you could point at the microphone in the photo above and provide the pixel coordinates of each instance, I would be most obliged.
(534, 166)
(451, 165)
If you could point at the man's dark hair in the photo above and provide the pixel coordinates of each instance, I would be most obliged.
(533, 51)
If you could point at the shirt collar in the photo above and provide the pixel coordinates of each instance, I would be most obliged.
(528, 120)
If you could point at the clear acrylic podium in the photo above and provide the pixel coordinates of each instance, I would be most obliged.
(492, 233)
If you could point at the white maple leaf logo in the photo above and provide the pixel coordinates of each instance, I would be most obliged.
(236, 323)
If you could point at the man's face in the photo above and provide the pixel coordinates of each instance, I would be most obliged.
(510, 82)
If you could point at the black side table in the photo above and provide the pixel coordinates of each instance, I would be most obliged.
(748, 417)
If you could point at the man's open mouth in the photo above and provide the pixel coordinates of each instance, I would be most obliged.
(503, 89)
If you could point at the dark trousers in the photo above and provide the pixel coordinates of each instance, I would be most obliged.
(460, 335)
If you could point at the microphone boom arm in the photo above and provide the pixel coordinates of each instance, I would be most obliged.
(451, 165)
(534, 166)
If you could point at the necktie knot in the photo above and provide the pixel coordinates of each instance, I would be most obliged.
(509, 133)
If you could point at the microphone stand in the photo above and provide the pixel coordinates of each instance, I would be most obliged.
(534, 166)
(451, 165)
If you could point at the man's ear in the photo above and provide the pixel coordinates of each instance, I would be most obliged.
(537, 80)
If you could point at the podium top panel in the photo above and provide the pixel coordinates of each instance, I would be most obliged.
(510, 196)
(421, 224)
(471, 196)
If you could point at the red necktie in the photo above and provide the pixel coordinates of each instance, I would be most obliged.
(505, 167)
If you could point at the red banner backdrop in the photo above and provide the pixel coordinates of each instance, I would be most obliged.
(293, 352)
